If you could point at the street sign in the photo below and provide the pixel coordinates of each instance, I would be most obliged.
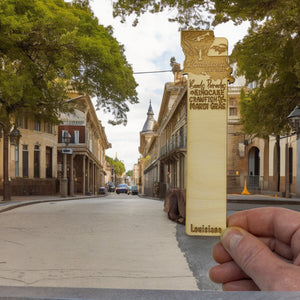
(67, 151)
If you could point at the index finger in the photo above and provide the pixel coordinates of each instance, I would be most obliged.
(280, 223)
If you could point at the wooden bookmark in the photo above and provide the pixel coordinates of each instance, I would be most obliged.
(206, 63)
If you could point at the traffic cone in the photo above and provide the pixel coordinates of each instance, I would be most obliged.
(245, 191)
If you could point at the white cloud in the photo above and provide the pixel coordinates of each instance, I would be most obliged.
(148, 47)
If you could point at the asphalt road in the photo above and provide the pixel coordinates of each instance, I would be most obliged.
(118, 241)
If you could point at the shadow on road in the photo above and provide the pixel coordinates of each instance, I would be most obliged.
(198, 253)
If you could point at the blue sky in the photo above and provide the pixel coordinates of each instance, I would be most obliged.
(148, 47)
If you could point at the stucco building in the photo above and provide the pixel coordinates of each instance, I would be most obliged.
(86, 161)
(163, 144)
(36, 165)
(32, 163)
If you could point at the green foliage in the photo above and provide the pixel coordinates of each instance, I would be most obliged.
(117, 165)
(129, 173)
(269, 55)
(203, 13)
(264, 112)
(189, 12)
(48, 46)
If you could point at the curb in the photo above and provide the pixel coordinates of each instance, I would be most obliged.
(26, 203)
(264, 201)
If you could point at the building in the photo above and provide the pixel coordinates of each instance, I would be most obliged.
(263, 165)
(135, 174)
(85, 163)
(163, 142)
(32, 163)
(36, 164)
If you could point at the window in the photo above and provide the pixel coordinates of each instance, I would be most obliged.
(76, 136)
(23, 123)
(37, 125)
(232, 101)
(17, 160)
(48, 162)
(36, 160)
(25, 160)
(48, 127)
(233, 111)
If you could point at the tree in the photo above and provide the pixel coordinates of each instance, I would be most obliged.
(269, 55)
(129, 173)
(116, 164)
(48, 47)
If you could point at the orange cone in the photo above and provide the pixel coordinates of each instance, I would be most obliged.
(245, 191)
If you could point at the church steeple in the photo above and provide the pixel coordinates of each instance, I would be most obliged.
(148, 126)
(150, 110)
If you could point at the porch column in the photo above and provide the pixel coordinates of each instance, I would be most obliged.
(72, 175)
(88, 175)
(83, 174)
(298, 168)
(93, 178)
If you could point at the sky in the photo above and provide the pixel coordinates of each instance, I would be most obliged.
(148, 47)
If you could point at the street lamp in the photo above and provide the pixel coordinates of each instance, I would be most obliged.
(66, 138)
(14, 137)
(294, 119)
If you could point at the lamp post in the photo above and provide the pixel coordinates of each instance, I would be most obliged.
(14, 137)
(294, 119)
(64, 180)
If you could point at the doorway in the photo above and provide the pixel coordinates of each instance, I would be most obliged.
(254, 167)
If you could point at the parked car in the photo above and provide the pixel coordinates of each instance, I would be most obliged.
(122, 188)
(134, 190)
(102, 190)
(111, 187)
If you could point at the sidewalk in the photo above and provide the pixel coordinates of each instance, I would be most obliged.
(18, 201)
(261, 199)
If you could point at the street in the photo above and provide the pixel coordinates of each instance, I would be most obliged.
(117, 241)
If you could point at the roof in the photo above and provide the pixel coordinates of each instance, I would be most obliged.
(150, 122)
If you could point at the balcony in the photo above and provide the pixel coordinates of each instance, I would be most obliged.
(173, 145)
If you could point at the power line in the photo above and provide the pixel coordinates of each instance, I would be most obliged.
(148, 72)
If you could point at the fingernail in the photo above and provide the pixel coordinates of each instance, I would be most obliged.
(231, 237)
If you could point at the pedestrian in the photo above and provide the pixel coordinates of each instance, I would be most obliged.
(260, 250)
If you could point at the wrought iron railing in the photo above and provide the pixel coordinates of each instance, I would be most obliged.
(175, 142)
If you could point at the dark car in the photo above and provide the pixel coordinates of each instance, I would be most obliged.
(101, 190)
(111, 187)
(134, 190)
(122, 188)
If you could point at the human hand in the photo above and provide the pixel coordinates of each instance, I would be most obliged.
(260, 250)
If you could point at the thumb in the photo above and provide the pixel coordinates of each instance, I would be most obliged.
(255, 259)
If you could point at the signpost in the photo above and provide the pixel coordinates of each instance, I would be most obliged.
(206, 63)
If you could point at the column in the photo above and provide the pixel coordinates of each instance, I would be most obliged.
(72, 175)
(83, 175)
